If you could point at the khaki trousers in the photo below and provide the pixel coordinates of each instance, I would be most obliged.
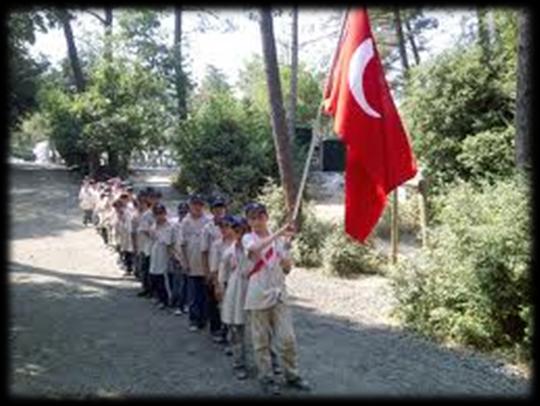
(274, 323)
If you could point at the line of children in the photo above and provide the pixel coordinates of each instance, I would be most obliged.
(224, 270)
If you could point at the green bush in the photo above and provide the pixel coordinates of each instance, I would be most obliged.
(448, 103)
(408, 217)
(307, 247)
(273, 197)
(489, 154)
(224, 147)
(33, 128)
(343, 256)
(309, 241)
(65, 127)
(472, 286)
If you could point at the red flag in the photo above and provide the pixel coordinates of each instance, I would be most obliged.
(379, 155)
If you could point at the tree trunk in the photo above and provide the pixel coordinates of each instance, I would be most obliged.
(294, 73)
(93, 162)
(180, 79)
(523, 97)
(413, 43)
(113, 161)
(405, 64)
(72, 50)
(401, 41)
(279, 125)
(108, 33)
(123, 167)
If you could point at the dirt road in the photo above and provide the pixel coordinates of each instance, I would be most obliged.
(76, 328)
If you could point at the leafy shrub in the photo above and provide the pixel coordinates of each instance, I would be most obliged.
(224, 148)
(65, 126)
(408, 217)
(309, 241)
(343, 256)
(273, 197)
(452, 98)
(33, 128)
(489, 154)
(473, 285)
(307, 247)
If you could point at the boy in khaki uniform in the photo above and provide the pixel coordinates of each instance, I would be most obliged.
(190, 242)
(211, 233)
(266, 300)
(161, 234)
(144, 242)
(179, 276)
(219, 246)
(122, 224)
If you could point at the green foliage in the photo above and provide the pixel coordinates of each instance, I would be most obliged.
(344, 256)
(223, 147)
(448, 100)
(33, 128)
(273, 197)
(65, 126)
(473, 285)
(489, 154)
(408, 217)
(252, 83)
(308, 246)
(122, 109)
(24, 71)
(308, 243)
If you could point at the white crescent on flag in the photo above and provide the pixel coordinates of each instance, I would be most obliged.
(359, 61)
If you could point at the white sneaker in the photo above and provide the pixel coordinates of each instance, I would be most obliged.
(178, 312)
(193, 328)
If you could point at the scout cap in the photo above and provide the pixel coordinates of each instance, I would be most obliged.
(182, 208)
(240, 223)
(196, 198)
(218, 202)
(159, 209)
(227, 221)
(255, 208)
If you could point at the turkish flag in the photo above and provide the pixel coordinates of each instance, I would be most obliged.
(379, 154)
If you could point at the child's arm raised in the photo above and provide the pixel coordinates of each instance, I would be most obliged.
(255, 250)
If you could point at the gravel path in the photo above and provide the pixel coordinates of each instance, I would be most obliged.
(77, 330)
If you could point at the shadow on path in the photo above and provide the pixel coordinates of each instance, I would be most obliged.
(78, 336)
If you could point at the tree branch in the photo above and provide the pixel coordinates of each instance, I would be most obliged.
(330, 34)
(101, 19)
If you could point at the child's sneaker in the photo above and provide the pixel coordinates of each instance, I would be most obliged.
(241, 374)
(299, 384)
(193, 327)
(178, 312)
(270, 388)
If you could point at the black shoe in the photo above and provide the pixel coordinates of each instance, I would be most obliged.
(299, 384)
(142, 294)
(270, 388)
(241, 374)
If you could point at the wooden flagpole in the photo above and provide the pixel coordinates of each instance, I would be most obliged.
(317, 136)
